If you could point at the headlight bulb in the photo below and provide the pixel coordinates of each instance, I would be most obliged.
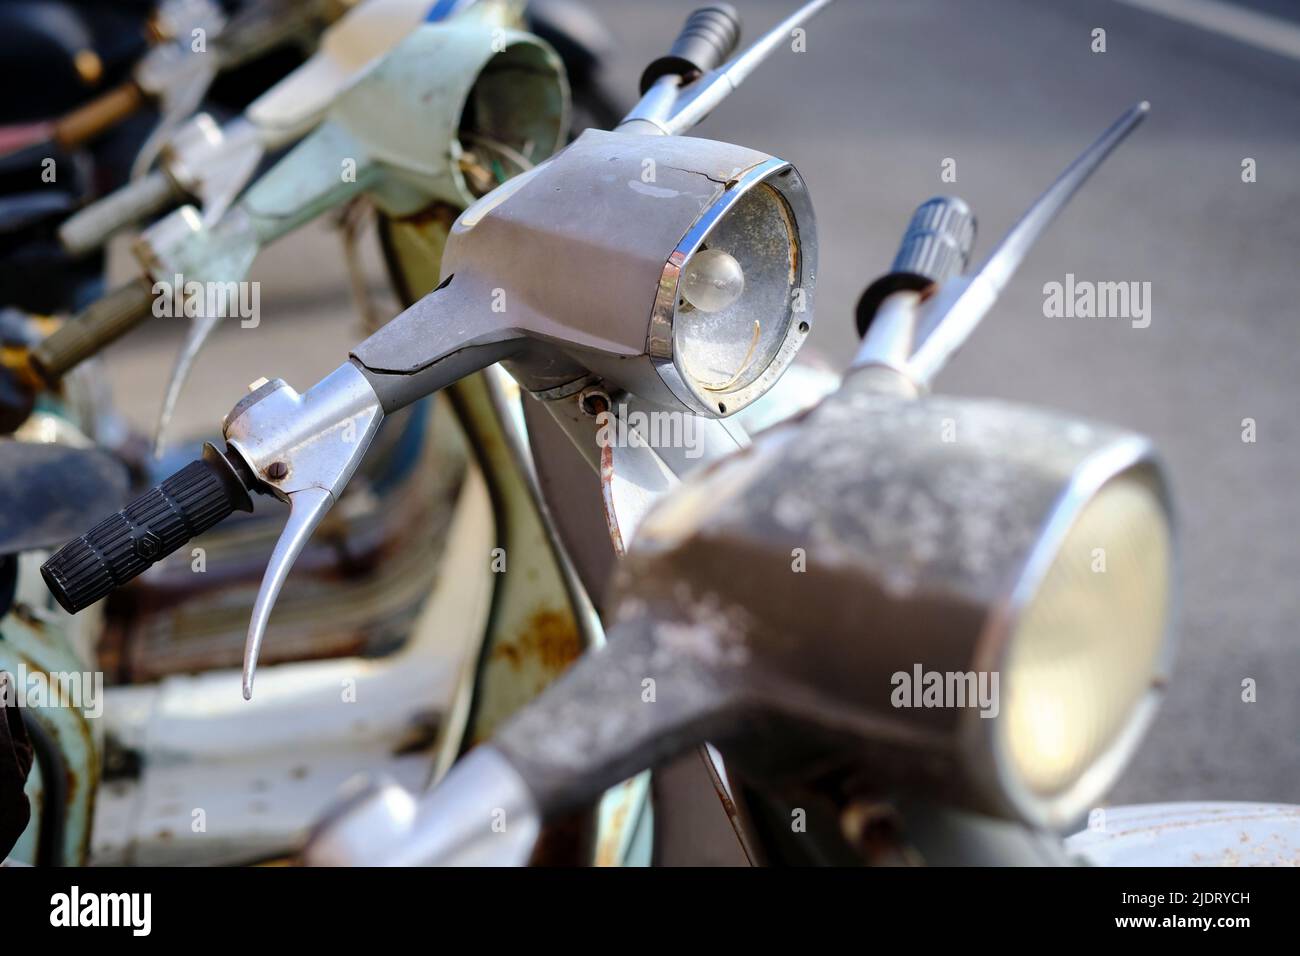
(713, 281)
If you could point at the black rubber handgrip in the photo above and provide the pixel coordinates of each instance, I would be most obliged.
(147, 530)
(710, 36)
(936, 247)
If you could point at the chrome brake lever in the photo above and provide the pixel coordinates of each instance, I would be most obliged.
(303, 449)
(307, 509)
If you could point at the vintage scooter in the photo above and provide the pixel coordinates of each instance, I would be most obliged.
(730, 349)
(209, 164)
(715, 335)
(59, 451)
(791, 602)
(807, 603)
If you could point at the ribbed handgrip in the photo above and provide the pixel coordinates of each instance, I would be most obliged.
(147, 530)
(936, 247)
(938, 240)
(100, 323)
(709, 37)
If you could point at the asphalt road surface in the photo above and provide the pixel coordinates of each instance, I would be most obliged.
(1011, 91)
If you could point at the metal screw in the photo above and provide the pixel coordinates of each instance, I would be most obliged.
(276, 470)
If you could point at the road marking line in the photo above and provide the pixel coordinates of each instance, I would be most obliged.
(1247, 26)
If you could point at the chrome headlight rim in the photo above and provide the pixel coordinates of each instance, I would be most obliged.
(991, 765)
(782, 177)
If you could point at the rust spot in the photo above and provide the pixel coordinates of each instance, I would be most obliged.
(550, 638)
(607, 497)
(1192, 824)
(607, 848)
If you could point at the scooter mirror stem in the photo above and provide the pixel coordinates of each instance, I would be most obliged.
(916, 337)
(688, 84)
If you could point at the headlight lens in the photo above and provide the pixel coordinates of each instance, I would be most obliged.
(1088, 643)
(735, 298)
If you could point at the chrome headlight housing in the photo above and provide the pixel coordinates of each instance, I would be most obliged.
(993, 547)
(679, 270)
